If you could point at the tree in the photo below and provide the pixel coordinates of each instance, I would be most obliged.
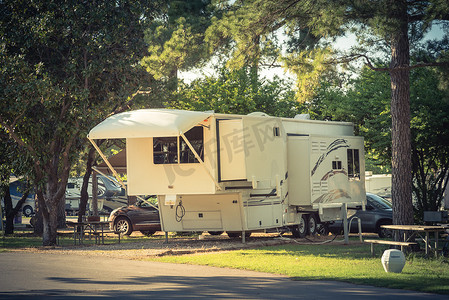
(176, 39)
(63, 65)
(430, 141)
(383, 22)
(8, 166)
(239, 92)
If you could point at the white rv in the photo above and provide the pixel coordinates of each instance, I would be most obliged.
(234, 173)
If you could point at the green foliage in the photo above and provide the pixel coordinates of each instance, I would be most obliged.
(176, 39)
(309, 67)
(238, 92)
(430, 131)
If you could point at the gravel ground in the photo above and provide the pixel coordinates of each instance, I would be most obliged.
(176, 246)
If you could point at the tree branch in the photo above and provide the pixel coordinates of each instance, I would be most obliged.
(432, 64)
(16, 138)
(349, 58)
(127, 105)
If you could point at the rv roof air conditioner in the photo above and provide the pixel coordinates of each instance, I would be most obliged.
(258, 114)
(302, 117)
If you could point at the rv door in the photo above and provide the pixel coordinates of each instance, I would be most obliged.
(231, 150)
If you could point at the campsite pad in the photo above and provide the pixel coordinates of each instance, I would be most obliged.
(177, 245)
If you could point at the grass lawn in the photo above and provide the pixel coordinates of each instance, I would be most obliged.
(349, 263)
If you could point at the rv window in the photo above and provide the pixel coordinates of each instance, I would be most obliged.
(276, 131)
(195, 137)
(165, 149)
(353, 163)
(336, 165)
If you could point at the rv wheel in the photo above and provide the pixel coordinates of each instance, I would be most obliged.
(300, 230)
(313, 223)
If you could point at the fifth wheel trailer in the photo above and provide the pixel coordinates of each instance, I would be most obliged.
(239, 173)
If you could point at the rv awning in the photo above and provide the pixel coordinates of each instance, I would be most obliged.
(147, 123)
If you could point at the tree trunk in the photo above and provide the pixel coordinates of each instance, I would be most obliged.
(50, 213)
(84, 193)
(37, 222)
(400, 115)
(10, 210)
(94, 194)
(61, 213)
(9, 223)
(53, 198)
(50, 222)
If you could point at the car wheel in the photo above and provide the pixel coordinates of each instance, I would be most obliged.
(300, 230)
(383, 232)
(123, 225)
(337, 231)
(322, 229)
(313, 223)
(147, 232)
(27, 210)
(215, 232)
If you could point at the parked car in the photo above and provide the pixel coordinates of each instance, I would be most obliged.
(108, 191)
(141, 216)
(16, 188)
(378, 212)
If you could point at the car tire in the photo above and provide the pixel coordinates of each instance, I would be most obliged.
(215, 232)
(300, 230)
(147, 232)
(123, 225)
(27, 211)
(322, 229)
(383, 232)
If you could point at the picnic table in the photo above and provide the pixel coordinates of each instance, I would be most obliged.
(96, 229)
(422, 232)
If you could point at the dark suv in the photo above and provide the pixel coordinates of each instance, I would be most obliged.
(378, 212)
(141, 216)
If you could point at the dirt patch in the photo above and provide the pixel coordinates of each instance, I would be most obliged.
(176, 246)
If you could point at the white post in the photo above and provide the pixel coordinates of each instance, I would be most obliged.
(344, 215)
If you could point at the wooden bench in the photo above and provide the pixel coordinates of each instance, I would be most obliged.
(100, 235)
(66, 232)
(391, 243)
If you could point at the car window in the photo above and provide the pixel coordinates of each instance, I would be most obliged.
(144, 204)
(378, 202)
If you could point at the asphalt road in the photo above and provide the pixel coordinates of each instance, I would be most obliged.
(59, 276)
